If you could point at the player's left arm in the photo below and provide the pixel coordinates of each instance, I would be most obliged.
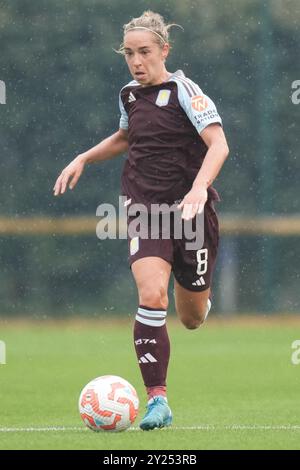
(215, 140)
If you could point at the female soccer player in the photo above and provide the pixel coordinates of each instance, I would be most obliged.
(176, 148)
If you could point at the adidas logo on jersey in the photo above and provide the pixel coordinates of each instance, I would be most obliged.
(147, 358)
(199, 282)
(131, 97)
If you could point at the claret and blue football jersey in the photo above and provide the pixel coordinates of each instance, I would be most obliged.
(164, 124)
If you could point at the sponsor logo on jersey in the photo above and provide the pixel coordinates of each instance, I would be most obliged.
(131, 97)
(134, 245)
(199, 103)
(163, 98)
(206, 116)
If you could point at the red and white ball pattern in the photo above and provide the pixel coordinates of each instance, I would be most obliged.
(108, 403)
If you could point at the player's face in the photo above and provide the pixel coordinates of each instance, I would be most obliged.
(145, 58)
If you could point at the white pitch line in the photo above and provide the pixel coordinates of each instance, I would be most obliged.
(208, 427)
(48, 429)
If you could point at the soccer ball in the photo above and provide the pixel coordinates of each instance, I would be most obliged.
(108, 403)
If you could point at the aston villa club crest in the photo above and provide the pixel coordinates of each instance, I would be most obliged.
(163, 98)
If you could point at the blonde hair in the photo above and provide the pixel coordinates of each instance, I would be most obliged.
(152, 22)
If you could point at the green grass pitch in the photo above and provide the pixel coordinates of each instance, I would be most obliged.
(232, 385)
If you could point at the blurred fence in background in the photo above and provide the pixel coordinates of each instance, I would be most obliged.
(58, 266)
(62, 81)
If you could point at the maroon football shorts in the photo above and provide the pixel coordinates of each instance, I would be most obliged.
(192, 269)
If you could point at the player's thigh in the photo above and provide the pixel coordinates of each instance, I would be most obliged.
(193, 270)
(152, 275)
(194, 262)
(191, 306)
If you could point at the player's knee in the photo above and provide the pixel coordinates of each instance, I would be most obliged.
(154, 297)
(193, 323)
(194, 319)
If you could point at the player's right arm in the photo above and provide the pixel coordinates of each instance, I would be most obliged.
(112, 146)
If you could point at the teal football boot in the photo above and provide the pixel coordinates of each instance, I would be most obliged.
(158, 414)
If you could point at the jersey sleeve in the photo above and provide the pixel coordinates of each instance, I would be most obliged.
(199, 108)
(124, 116)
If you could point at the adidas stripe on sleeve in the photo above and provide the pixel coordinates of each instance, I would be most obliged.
(124, 116)
(199, 108)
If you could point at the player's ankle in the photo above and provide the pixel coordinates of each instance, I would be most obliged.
(159, 390)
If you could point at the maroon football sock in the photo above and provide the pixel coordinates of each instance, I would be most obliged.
(155, 391)
(152, 348)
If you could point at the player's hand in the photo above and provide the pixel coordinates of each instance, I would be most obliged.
(74, 171)
(193, 202)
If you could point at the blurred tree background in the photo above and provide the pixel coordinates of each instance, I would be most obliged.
(62, 82)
